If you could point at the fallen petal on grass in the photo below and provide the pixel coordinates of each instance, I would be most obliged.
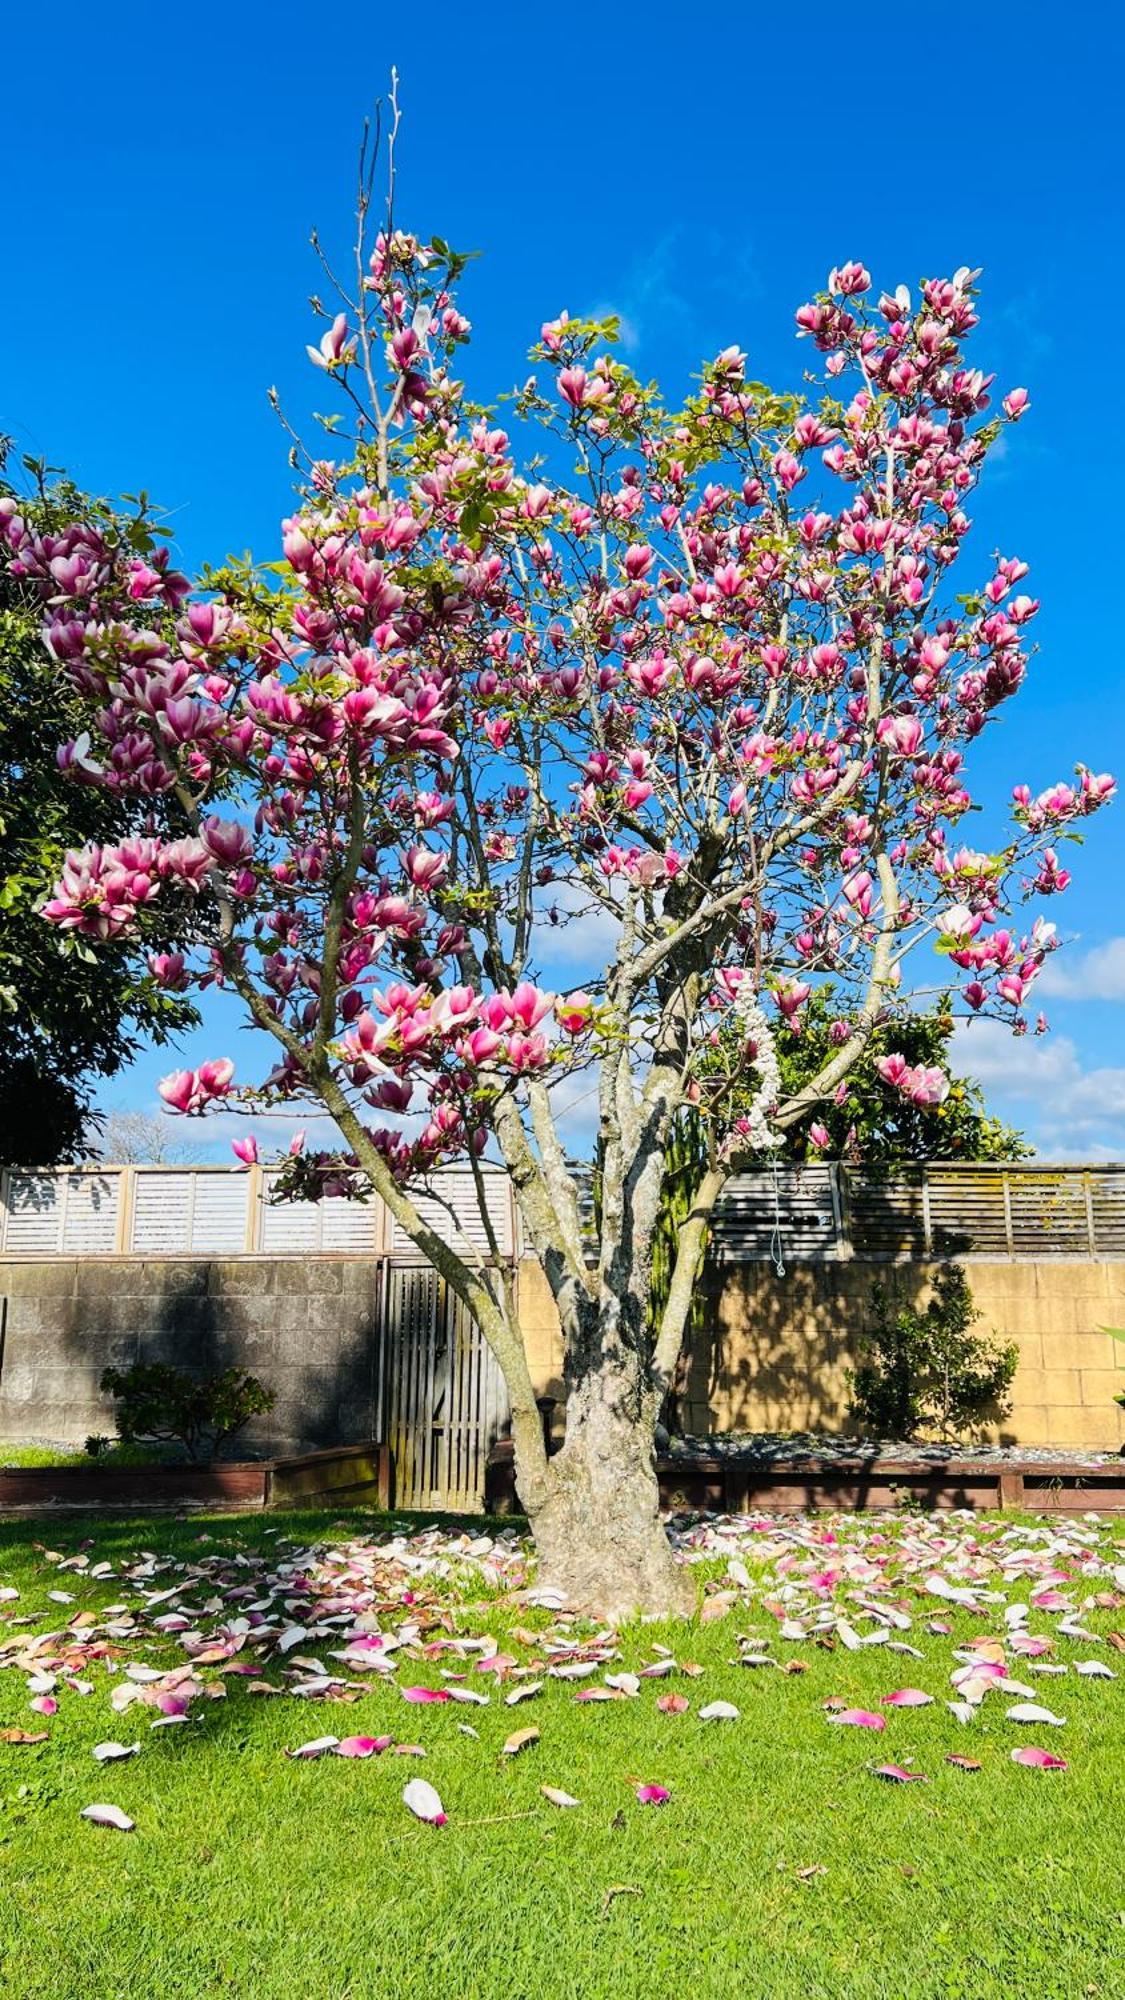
(316, 1748)
(113, 1816)
(521, 1739)
(422, 1800)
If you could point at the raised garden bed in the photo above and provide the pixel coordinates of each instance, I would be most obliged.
(360, 1472)
(748, 1481)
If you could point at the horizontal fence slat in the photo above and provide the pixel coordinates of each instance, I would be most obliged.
(814, 1212)
(797, 1206)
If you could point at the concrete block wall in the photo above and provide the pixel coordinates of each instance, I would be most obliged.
(776, 1350)
(774, 1356)
(305, 1326)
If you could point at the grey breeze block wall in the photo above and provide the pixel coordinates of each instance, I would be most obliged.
(305, 1326)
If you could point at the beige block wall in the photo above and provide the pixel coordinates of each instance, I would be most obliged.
(776, 1350)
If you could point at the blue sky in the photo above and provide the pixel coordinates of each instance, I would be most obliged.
(698, 174)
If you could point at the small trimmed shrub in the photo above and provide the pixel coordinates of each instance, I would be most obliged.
(926, 1370)
(162, 1404)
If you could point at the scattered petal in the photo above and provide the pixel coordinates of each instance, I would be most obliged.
(906, 1698)
(672, 1704)
(897, 1774)
(964, 1763)
(1030, 1711)
(720, 1711)
(653, 1795)
(859, 1718)
(558, 1798)
(108, 1816)
(316, 1748)
(1039, 1760)
(421, 1799)
(361, 1746)
(115, 1753)
(521, 1739)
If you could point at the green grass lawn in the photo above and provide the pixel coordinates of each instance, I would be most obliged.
(780, 1866)
(117, 1456)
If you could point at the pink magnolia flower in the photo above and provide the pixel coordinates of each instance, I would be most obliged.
(425, 868)
(901, 734)
(572, 385)
(335, 347)
(246, 1150)
(187, 1090)
(848, 280)
(178, 1089)
(529, 1006)
(573, 1013)
(227, 841)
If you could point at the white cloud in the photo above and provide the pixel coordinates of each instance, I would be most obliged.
(1040, 1084)
(213, 1133)
(1098, 974)
(628, 335)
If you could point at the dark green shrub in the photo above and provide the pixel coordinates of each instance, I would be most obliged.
(158, 1402)
(925, 1370)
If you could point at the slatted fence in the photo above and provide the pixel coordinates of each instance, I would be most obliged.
(227, 1212)
(821, 1212)
(1019, 1211)
(442, 1401)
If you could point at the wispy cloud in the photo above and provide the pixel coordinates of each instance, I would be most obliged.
(1040, 1084)
(1097, 974)
(667, 290)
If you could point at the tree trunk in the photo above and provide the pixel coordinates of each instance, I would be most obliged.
(597, 1529)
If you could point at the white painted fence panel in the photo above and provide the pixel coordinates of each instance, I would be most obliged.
(452, 1210)
(218, 1216)
(89, 1221)
(814, 1212)
(162, 1214)
(33, 1216)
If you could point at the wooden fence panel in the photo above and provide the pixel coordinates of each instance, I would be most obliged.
(815, 1212)
(797, 1204)
(442, 1399)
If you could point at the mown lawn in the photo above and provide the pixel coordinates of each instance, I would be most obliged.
(780, 1866)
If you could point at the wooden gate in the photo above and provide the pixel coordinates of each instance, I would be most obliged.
(442, 1401)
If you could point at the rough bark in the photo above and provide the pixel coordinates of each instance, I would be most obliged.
(598, 1529)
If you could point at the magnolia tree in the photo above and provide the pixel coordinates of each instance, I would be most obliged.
(679, 698)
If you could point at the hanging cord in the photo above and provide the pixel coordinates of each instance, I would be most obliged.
(777, 1255)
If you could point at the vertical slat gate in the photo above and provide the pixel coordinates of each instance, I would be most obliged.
(441, 1398)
